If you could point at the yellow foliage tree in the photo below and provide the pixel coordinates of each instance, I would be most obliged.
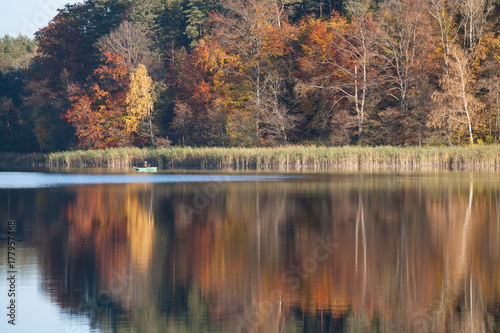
(140, 101)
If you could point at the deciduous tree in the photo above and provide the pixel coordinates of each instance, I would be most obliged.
(98, 114)
(407, 47)
(68, 40)
(364, 68)
(182, 124)
(462, 105)
(342, 60)
(489, 81)
(129, 40)
(475, 14)
(277, 121)
(43, 105)
(244, 30)
(140, 104)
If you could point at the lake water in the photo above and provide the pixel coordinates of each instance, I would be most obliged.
(251, 252)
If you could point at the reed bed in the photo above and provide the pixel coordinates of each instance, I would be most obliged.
(287, 157)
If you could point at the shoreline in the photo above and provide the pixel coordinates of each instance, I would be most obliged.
(278, 158)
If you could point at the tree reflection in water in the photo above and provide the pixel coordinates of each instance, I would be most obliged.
(413, 253)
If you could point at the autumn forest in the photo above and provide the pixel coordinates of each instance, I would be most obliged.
(245, 73)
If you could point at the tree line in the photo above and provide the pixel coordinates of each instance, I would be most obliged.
(110, 73)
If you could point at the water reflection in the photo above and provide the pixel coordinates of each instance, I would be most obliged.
(356, 252)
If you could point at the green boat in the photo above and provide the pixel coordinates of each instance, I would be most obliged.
(146, 169)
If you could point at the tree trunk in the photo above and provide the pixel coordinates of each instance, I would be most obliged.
(150, 120)
(498, 115)
(356, 101)
(467, 112)
(50, 134)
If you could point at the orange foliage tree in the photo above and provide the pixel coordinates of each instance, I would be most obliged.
(254, 37)
(202, 96)
(98, 114)
(340, 64)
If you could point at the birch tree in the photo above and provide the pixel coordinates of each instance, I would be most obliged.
(360, 43)
(457, 103)
(140, 104)
(457, 97)
(444, 14)
(475, 14)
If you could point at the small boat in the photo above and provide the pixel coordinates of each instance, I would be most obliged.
(146, 169)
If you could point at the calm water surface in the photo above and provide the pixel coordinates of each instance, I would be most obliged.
(250, 252)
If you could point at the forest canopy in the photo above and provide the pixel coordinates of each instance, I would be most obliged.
(112, 73)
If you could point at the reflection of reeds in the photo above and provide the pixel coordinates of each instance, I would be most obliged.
(290, 157)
